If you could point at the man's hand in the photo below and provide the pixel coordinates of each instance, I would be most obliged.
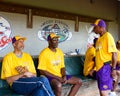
(64, 79)
(29, 74)
(21, 69)
(113, 73)
(91, 72)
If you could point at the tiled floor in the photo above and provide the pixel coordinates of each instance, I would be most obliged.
(87, 89)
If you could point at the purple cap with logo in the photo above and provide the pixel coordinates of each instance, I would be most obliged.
(99, 22)
(52, 35)
(15, 38)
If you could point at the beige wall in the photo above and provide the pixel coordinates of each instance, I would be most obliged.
(106, 9)
(33, 45)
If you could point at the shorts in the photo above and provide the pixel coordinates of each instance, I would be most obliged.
(104, 78)
(50, 78)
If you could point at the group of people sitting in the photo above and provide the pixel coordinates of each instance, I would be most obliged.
(19, 71)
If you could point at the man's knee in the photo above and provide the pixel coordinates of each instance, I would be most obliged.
(58, 88)
(43, 79)
(80, 81)
(56, 85)
(75, 80)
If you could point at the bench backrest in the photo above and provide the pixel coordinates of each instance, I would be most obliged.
(74, 65)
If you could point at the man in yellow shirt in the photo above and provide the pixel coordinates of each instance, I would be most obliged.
(116, 80)
(19, 72)
(51, 64)
(106, 58)
(89, 64)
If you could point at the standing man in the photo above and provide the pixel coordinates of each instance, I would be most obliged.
(106, 58)
(51, 64)
(19, 72)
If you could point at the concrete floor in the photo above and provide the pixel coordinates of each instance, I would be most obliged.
(88, 88)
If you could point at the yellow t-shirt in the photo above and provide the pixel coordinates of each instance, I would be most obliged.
(51, 61)
(10, 61)
(89, 63)
(105, 45)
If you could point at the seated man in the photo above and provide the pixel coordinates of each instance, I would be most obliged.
(89, 64)
(19, 72)
(117, 77)
(51, 64)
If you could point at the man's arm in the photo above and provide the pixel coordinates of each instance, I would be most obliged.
(24, 69)
(114, 62)
(114, 59)
(63, 72)
(11, 79)
(23, 72)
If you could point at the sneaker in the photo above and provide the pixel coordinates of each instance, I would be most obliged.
(112, 94)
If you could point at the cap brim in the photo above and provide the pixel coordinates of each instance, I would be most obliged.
(20, 38)
(23, 38)
(57, 36)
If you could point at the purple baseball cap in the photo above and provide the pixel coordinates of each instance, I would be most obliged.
(99, 22)
(52, 35)
(16, 38)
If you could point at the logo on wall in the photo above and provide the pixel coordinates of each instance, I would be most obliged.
(56, 26)
(5, 32)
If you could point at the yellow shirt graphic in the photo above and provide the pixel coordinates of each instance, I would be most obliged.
(10, 61)
(51, 61)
